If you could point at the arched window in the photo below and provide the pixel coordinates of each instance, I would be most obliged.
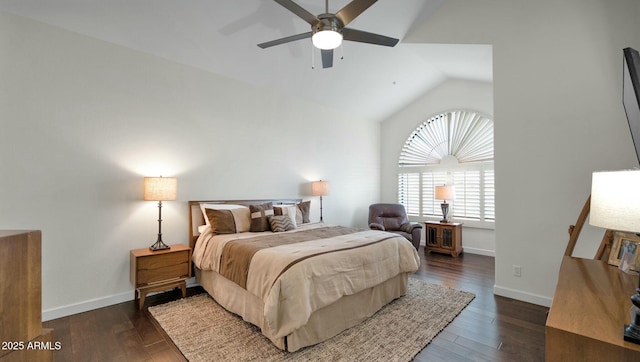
(453, 148)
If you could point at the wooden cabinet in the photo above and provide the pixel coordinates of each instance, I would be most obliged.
(590, 307)
(21, 332)
(443, 237)
(154, 271)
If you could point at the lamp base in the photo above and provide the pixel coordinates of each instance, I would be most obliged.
(159, 245)
(632, 330)
(445, 212)
(632, 333)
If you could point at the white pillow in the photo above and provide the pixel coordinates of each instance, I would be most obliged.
(241, 214)
(216, 207)
(287, 210)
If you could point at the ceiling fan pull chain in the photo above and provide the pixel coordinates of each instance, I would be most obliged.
(313, 59)
(342, 51)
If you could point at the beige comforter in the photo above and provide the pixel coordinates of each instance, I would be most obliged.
(312, 283)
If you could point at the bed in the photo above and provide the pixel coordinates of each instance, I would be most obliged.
(303, 283)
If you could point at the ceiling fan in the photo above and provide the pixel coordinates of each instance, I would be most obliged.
(328, 30)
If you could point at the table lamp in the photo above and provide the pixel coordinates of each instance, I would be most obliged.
(615, 205)
(445, 192)
(160, 189)
(320, 188)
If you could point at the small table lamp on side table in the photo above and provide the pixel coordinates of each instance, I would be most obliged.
(615, 205)
(320, 188)
(445, 192)
(160, 189)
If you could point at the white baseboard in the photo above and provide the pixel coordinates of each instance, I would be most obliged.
(479, 251)
(85, 306)
(523, 296)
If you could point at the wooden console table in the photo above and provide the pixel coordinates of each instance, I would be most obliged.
(443, 238)
(590, 308)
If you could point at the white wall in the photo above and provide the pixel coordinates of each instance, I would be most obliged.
(448, 96)
(82, 121)
(558, 117)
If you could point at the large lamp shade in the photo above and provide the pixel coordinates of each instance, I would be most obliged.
(615, 200)
(615, 204)
(160, 188)
(320, 188)
(445, 192)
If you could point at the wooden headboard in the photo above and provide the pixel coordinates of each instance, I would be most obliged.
(197, 219)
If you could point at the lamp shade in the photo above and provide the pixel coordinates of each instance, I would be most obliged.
(320, 188)
(445, 192)
(160, 188)
(615, 200)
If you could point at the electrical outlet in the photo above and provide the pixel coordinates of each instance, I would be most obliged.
(517, 271)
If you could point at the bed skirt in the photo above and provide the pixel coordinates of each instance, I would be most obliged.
(323, 324)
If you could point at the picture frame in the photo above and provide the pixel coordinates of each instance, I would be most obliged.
(621, 246)
(628, 260)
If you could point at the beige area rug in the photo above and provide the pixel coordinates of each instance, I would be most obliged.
(204, 331)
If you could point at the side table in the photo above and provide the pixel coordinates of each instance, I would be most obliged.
(443, 238)
(154, 271)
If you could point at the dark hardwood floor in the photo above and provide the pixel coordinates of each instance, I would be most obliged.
(491, 328)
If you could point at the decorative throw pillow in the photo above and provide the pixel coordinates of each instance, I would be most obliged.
(286, 210)
(240, 214)
(221, 221)
(302, 214)
(242, 217)
(280, 223)
(260, 216)
(204, 208)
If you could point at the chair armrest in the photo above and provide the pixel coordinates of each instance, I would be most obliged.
(376, 226)
(408, 227)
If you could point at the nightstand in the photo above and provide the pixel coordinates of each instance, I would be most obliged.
(443, 237)
(155, 271)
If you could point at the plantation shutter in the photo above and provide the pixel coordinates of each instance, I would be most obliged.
(449, 148)
(431, 206)
(467, 202)
(489, 195)
(467, 136)
(409, 192)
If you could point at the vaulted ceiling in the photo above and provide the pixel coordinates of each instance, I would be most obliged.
(220, 36)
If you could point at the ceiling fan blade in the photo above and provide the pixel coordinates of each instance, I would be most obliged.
(352, 10)
(285, 40)
(298, 10)
(327, 58)
(370, 38)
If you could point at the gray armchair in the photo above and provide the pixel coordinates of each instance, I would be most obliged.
(393, 218)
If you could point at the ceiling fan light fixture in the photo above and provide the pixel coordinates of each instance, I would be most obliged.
(326, 39)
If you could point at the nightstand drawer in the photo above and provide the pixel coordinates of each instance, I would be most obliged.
(163, 260)
(146, 276)
(158, 267)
